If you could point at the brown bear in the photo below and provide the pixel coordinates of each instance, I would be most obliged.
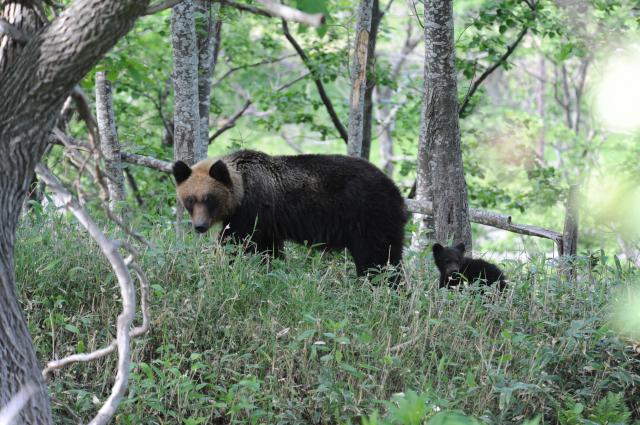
(453, 265)
(333, 200)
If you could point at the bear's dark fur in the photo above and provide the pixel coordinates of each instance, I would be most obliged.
(452, 264)
(333, 200)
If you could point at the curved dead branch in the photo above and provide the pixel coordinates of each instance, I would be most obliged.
(127, 290)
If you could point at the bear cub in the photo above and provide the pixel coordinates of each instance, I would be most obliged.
(452, 264)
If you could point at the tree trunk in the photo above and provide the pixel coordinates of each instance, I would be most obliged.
(570, 232)
(371, 80)
(208, 27)
(440, 170)
(34, 86)
(361, 85)
(186, 130)
(109, 143)
(542, 70)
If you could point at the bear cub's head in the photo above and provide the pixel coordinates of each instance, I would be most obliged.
(207, 191)
(449, 260)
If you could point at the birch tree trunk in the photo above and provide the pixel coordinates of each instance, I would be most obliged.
(34, 86)
(360, 80)
(109, 143)
(186, 118)
(208, 27)
(540, 91)
(440, 170)
(376, 16)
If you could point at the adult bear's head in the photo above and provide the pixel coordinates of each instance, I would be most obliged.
(210, 190)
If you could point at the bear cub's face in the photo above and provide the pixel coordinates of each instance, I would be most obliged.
(205, 191)
(449, 260)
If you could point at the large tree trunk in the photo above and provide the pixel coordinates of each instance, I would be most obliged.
(440, 169)
(186, 120)
(360, 106)
(208, 27)
(35, 84)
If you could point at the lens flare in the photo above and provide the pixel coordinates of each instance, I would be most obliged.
(618, 93)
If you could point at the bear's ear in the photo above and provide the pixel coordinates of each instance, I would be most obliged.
(460, 247)
(181, 171)
(437, 249)
(220, 172)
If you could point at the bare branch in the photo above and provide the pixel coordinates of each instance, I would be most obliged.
(276, 10)
(127, 291)
(476, 84)
(250, 65)
(147, 161)
(14, 32)
(488, 218)
(12, 409)
(231, 122)
(160, 6)
(291, 14)
(84, 111)
(316, 79)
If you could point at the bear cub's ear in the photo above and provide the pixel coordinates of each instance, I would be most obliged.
(460, 247)
(220, 172)
(437, 249)
(181, 171)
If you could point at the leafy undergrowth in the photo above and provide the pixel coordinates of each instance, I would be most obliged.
(303, 341)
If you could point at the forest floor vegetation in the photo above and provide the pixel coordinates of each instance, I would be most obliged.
(302, 340)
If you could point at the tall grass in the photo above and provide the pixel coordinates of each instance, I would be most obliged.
(302, 340)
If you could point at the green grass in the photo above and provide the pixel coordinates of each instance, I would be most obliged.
(302, 341)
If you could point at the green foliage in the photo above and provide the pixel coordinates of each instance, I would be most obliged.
(234, 340)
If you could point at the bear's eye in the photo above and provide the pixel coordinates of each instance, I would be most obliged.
(189, 201)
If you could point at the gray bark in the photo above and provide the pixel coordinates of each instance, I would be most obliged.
(570, 233)
(542, 71)
(186, 130)
(499, 221)
(109, 142)
(34, 87)
(440, 169)
(23, 18)
(376, 17)
(360, 75)
(208, 27)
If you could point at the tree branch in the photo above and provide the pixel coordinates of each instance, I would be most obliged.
(127, 290)
(14, 32)
(271, 10)
(231, 122)
(250, 65)
(488, 218)
(160, 6)
(147, 161)
(476, 84)
(323, 94)
(290, 14)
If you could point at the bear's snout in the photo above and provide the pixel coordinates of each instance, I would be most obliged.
(200, 228)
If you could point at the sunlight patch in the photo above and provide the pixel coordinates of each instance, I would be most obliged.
(618, 92)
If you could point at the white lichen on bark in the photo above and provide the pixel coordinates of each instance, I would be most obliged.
(440, 173)
(109, 142)
(186, 131)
